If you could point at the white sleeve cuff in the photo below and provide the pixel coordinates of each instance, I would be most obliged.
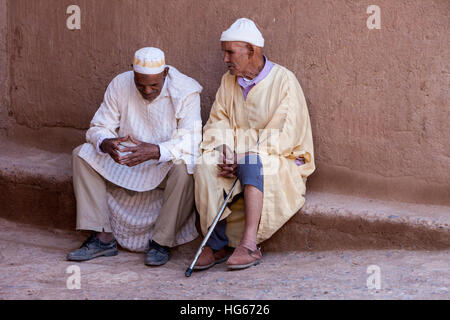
(99, 143)
(165, 155)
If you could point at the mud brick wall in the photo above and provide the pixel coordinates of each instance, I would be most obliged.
(378, 99)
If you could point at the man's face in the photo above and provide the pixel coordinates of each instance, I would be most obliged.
(150, 85)
(236, 57)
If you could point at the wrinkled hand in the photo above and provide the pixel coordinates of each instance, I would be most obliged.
(111, 147)
(228, 167)
(140, 153)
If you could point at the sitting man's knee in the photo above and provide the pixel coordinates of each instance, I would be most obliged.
(250, 171)
(250, 162)
(76, 151)
(205, 166)
(181, 173)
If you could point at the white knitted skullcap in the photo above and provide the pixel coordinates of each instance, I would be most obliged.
(149, 61)
(244, 30)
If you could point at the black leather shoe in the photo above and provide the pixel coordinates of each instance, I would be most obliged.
(93, 248)
(157, 255)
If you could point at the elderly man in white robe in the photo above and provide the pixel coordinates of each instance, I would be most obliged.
(133, 178)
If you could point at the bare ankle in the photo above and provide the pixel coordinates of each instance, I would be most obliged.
(105, 237)
(249, 244)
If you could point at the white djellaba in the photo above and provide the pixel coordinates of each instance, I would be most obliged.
(133, 197)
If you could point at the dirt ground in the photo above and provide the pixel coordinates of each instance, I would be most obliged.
(33, 266)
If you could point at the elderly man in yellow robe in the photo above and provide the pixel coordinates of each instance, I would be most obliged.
(258, 132)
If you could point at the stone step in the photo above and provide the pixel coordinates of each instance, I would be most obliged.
(36, 188)
(330, 221)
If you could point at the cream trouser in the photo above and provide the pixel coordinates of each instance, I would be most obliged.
(93, 212)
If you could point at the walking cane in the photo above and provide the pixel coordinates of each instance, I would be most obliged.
(211, 229)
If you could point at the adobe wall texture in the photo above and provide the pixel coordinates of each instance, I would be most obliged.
(378, 99)
(4, 86)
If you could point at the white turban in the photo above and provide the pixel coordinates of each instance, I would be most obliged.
(244, 30)
(149, 61)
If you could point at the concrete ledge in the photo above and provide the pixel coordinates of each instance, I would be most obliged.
(329, 221)
(36, 188)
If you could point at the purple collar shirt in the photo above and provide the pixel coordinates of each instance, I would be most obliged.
(247, 85)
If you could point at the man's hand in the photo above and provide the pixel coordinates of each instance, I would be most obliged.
(140, 153)
(111, 147)
(228, 166)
